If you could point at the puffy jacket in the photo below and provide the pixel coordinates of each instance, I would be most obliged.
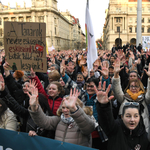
(76, 133)
(8, 121)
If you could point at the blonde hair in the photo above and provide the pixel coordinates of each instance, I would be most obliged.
(138, 82)
(87, 109)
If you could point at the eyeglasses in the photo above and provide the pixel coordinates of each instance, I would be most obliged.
(90, 86)
(136, 87)
(131, 103)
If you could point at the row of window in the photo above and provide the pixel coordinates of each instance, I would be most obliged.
(131, 29)
(118, 19)
(21, 19)
(131, 9)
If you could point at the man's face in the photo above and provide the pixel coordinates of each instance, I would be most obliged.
(90, 88)
(112, 59)
(70, 67)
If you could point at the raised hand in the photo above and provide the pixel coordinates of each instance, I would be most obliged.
(33, 95)
(117, 68)
(148, 72)
(62, 67)
(71, 102)
(102, 94)
(6, 70)
(2, 83)
(32, 73)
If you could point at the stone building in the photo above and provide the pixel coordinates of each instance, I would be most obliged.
(121, 22)
(59, 28)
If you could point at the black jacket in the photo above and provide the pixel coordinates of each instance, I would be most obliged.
(120, 137)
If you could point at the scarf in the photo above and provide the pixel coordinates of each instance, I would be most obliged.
(66, 120)
(80, 84)
(134, 96)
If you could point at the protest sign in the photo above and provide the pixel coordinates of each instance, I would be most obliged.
(146, 43)
(25, 45)
(12, 140)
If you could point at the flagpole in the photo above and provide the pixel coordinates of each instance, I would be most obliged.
(88, 8)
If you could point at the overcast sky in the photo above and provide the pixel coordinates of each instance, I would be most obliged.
(77, 9)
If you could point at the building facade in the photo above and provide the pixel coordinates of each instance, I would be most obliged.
(59, 28)
(121, 22)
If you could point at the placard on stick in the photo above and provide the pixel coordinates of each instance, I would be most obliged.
(25, 45)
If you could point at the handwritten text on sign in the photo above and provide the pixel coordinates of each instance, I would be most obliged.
(25, 45)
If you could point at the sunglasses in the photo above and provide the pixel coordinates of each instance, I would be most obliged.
(131, 103)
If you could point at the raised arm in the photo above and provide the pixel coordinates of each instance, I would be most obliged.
(116, 85)
(105, 115)
(84, 122)
(38, 116)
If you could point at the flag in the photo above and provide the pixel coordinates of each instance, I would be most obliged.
(90, 41)
(99, 44)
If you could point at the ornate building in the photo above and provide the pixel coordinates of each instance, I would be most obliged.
(59, 28)
(121, 22)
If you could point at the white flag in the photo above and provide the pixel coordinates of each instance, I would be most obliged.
(90, 39)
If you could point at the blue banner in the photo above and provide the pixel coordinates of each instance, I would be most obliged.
(11, 140)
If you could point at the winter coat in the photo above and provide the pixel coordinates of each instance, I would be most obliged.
(23, 113)
(8, 121)
(121, 97)
(53, 103)
(76, 133)
(119, 136)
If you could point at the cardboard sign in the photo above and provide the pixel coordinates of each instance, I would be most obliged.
(25, 45)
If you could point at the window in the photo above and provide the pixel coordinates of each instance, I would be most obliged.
(0, 32)
(6, 19)
(142, 20)
(148, 20)
(148, 9)
(21, 19)
(118, 20)
(142, 9)
(135, 29)
(135, 20)
(13, 19)
(142, 29)
(0, 21)
(130, 19)
(130, 9)
(28, 19)
(130, 29)
(55, 20)
(148, 29)
(118, 29)
(55, 31)
(41, 18)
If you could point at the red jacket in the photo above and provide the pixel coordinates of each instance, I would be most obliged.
(53, 103)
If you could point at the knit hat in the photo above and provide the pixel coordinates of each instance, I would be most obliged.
(19, 74)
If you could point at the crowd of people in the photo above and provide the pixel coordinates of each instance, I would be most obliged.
(106, 108)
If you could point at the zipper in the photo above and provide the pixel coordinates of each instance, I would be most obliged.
(31, 126)
(65, 133)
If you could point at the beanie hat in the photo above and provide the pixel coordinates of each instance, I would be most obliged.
(19, 74)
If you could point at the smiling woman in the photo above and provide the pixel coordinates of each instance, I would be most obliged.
(71, 120)
(125, 133)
